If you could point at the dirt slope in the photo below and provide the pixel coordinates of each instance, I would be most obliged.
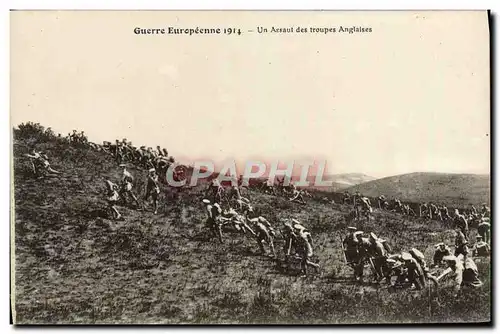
(74, 265)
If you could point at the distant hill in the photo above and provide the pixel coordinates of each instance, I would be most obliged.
(451, 189)
(346, 180)
(343, 181)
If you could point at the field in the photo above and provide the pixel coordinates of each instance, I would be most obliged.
(75, 266)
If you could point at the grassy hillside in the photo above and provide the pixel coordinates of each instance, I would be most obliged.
(74, 265)
(451, 189)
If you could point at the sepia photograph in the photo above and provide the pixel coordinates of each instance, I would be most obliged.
(250, 167)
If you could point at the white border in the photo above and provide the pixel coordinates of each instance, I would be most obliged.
(5, 5)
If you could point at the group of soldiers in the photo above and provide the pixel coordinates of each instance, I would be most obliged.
(286, 189)
(410, 267)
(298, 242)
(77, 137)
(124, 191)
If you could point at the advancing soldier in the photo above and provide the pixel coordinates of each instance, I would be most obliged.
(463, 271)
(461, 223)
(153, 189)
(460, 243)
(350, 245)
(112, 198)
(483, 229)
(481, 248)
(126, 186)
(364, 246)
(40, 161)
(305, 249)
(442, 250)
(378, 252)
(238, 221)
(263, 233)
(214, 221)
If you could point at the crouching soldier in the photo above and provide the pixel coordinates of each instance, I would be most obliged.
(442, 250)
(463, 273)
(412, 272)
(263, 233)
(481, 248)
(420, 258)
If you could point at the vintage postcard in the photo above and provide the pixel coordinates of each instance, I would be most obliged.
(250, 167)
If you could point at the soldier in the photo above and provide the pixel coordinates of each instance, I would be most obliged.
(485, 211)
(420, 258)
(397, 206)
(214, 221)
(434, 211)
(481, 248)
(409, 211)
(263, 233)
(159, 152)
(378, 252)
(461, 223)
(346, 199)
(412, 272)
(463, 271)
(350, 244)
(297, 196)
(305, 249)
(473, 210)
(445, 215)
(40, 161)
(112, 198)
(216, 190)
(238, 221)
(442, 250)
(460, 243)
(153, 189)
(363, 207)
(126, 186)
(483, 229)
(364, 246)
(356, 198)
(290, 239)
(74, 136)
(381, 200)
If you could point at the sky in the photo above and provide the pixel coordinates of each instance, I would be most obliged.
(411, 96)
